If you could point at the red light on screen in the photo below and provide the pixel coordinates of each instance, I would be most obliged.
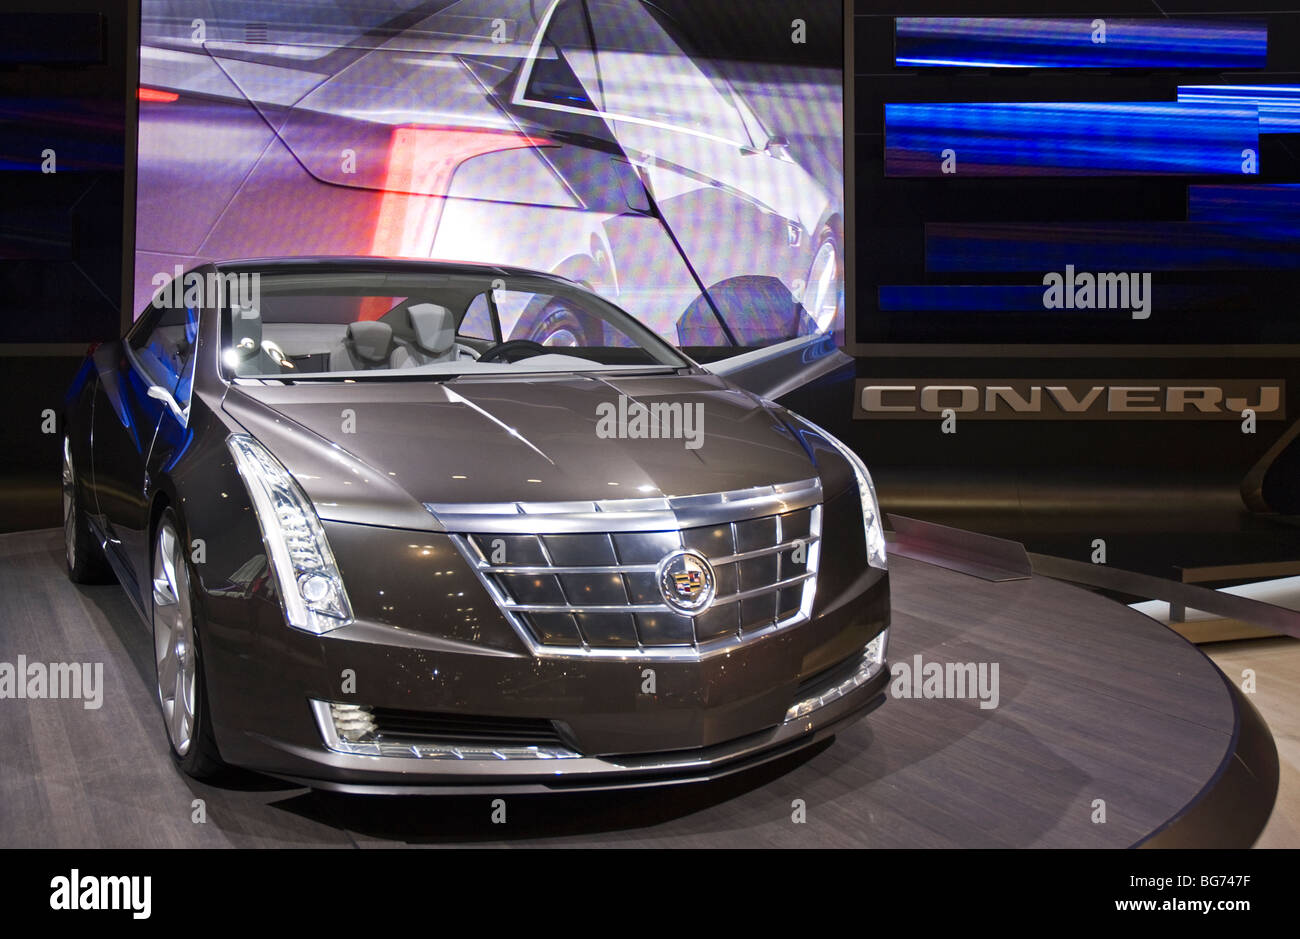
(418, 175)
(421, 164)
(154, 94)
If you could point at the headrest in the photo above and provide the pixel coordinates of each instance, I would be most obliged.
(246, 331)
(373, 341)
(434, 326)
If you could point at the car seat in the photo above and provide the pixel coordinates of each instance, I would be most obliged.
(433, 327)
(246, 343)
(367, 345)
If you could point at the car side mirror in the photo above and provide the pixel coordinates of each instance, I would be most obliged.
(778, 148)
(159, 393)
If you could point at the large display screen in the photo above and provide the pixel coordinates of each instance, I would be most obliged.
(1130, 180)
(686, 170)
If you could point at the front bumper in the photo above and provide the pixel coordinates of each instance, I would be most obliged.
(446, 649)
(387, 775)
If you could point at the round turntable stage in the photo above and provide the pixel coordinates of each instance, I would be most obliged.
(1109, 730)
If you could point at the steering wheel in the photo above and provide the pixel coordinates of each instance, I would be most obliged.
(502, 350)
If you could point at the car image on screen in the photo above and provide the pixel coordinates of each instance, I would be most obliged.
(583, 138)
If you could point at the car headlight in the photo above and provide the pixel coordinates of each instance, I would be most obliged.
(311, 588)
(875, 531)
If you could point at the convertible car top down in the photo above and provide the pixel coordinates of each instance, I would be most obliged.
(381, 547)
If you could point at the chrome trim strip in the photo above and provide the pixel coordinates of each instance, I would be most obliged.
(622, 515)
(602, 569)
(759, 591)
(762, 552)
(651, 607)
(588, 608)
(641, 568)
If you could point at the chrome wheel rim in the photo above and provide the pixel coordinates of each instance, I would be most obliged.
(562, 338)
(823, 293)
(175, 653)
(557, 328)
(69, 506)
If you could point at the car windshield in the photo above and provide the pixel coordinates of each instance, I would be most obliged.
(350, 325)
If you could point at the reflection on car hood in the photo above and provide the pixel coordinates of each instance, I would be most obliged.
(377, 450)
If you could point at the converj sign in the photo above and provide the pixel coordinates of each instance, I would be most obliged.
(1028, 399)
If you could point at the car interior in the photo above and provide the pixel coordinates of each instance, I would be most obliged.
(410, 335)
(314, 332)
(166, 351)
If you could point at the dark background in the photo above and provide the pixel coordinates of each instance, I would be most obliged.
(63, 87)
(1162, 494)
(1217, 307)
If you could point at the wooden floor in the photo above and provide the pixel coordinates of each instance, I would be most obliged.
(1097, 702)
(1275, 664)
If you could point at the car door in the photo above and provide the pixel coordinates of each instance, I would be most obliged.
(697, 147)
(158, 353)
(707, 159)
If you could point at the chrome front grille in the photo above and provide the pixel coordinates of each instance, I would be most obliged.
(584, 578)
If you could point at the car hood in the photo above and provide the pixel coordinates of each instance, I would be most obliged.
(375, 451)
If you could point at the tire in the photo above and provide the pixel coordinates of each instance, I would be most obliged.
(83, 554)
(558, 326)
(178, 662)
(824, 291)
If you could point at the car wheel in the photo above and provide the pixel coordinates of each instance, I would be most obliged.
(824, 294)
(560, 327)
(85, 557)
(178, 664)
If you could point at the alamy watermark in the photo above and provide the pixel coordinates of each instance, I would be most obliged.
(77, 891)
(207, 290)
(955, 680)
(661, 420)
(1105, 290)
(74, 681)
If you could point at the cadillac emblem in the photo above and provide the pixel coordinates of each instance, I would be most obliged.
(686, 581)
